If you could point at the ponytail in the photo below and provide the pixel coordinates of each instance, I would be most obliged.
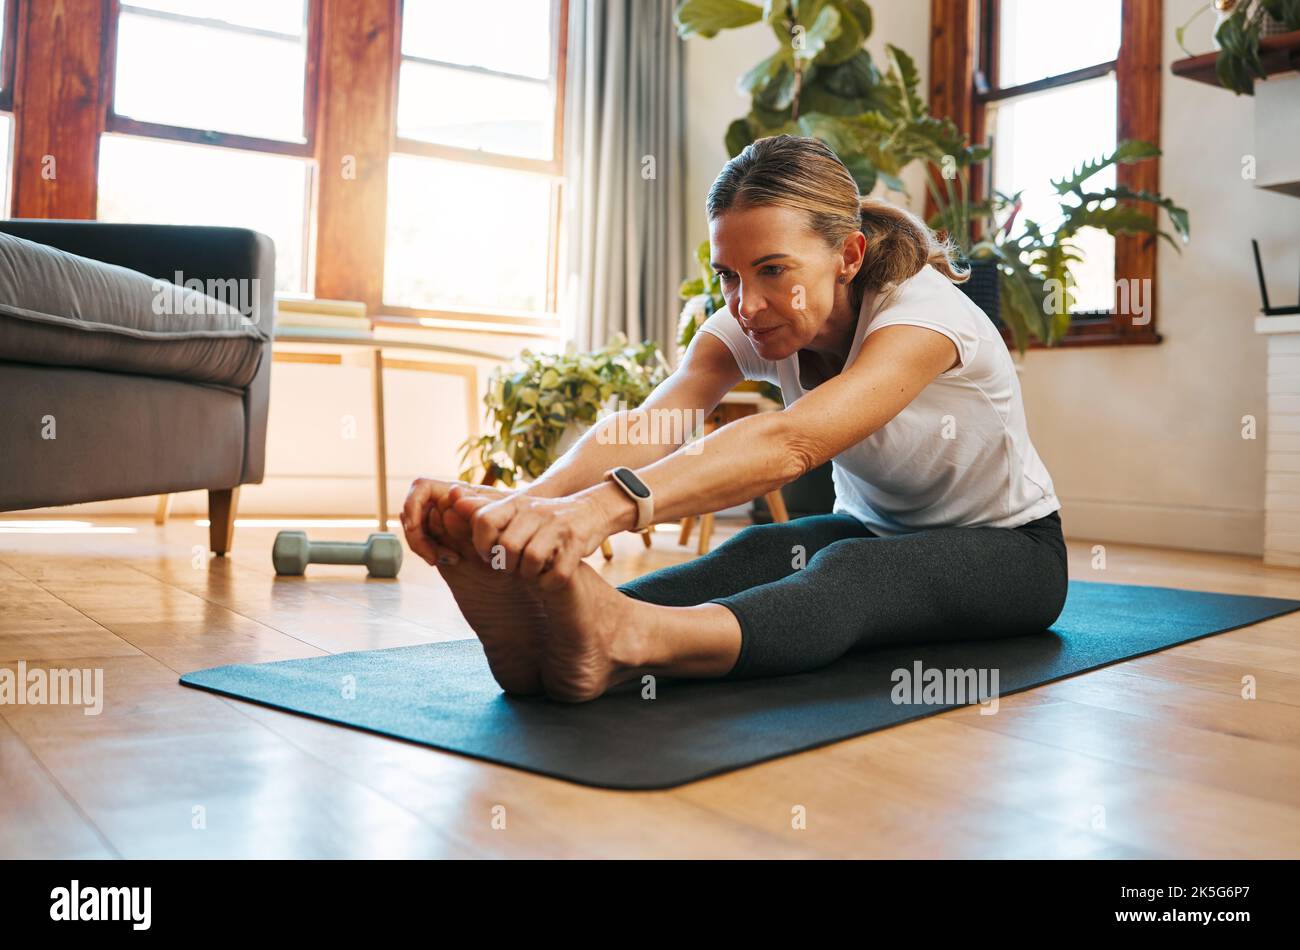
(899, 245)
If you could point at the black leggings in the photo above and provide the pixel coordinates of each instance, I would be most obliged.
(807, 591)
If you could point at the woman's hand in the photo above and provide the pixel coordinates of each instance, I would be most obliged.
(543, 538)
(433, 531)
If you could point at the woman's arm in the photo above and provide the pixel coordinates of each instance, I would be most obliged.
(736, 463)
(760, 453)
(707, 372)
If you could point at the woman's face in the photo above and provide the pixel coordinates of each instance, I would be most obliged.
(779, 278)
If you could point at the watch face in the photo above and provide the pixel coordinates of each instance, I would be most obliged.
(633, 484)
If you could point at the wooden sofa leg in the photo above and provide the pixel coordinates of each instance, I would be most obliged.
(221, 518)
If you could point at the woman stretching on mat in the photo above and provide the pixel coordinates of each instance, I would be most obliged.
(946, 525)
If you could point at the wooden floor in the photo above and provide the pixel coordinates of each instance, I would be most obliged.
(1156, 757)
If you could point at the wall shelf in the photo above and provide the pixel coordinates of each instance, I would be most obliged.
(1279, 54)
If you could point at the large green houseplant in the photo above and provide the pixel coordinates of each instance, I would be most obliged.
(879, 124)
(818, 81)
(541, 404)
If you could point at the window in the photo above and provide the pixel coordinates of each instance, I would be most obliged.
(1049, 84)
(1051, 105)
(402, 153)
(473, 189)
(211, 120)
(8, 18)
(158, 182)
(8, 25)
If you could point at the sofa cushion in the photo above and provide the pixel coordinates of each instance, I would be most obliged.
(59, 309)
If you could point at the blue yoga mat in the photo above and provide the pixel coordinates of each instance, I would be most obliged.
(442, 694)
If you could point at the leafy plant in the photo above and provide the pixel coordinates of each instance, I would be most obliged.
(703, 297)
(820, 83)
(1238, 64)
(1036, 265)
(531, 404)
(817, 83)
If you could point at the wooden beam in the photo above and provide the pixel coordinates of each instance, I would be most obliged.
(58, 108)
(1138, 75)
(952, 61)
(952, 70)
(354, 135)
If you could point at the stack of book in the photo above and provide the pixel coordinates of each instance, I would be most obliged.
(334, 318)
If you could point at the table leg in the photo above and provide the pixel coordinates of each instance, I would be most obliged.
(706, 533)
(381, 455)
(776, 505)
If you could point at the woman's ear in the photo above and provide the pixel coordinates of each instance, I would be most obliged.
(854, 252)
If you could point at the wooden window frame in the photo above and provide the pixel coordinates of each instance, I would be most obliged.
(8, 50)
(350, 101)
(158, 131)
(964, 38)
(113, 122)
(547, 322)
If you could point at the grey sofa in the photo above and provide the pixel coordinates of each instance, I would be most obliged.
(113, 388)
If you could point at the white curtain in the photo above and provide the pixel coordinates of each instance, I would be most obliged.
(623, 230)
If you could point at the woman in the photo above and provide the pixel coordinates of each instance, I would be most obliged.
(945, 525)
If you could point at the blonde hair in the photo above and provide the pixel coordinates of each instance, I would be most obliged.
(805, 174)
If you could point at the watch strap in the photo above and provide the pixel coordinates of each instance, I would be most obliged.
(638, 491)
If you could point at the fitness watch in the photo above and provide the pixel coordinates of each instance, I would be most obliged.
(638, 491)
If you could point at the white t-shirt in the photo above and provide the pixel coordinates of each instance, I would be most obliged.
(959, 454)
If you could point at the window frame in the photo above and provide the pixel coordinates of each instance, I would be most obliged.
(964, 62)
(116, 124)
(548, 320)
(120, 124)
(8, 52)
(350, 116)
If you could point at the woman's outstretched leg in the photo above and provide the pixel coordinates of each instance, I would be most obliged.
(597, 636)
(756, 555)
(931, 586)
(947, 584)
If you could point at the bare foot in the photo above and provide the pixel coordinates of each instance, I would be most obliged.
(587, 623)
(507, 617)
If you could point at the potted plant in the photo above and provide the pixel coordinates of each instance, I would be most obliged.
(539, 407)
(1036, 264)
(1237, 34)
(1020, 275)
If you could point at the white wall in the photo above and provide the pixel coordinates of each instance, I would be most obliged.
(1143, 443)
